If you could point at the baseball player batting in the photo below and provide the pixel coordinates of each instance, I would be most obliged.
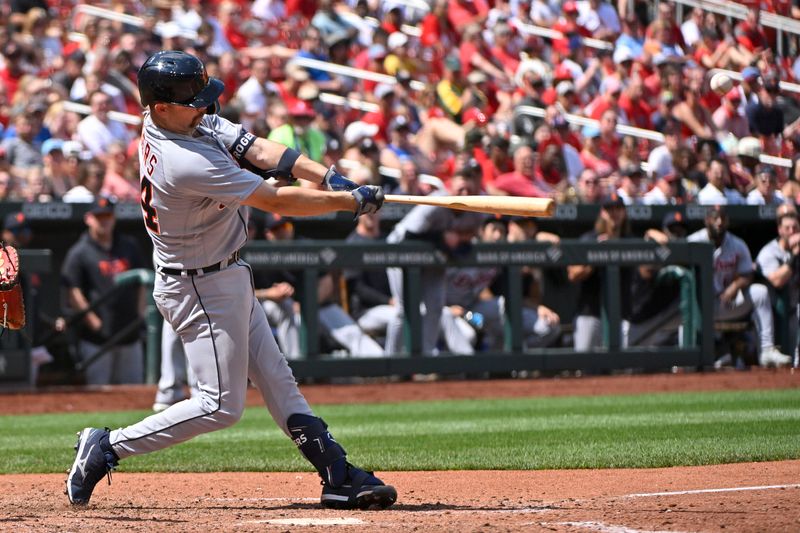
(198, 171)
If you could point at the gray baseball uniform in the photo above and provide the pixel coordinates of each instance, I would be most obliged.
(733, 258)
(424, 222)
(192, 191)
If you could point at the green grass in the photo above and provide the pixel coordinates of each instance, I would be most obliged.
(529, 433)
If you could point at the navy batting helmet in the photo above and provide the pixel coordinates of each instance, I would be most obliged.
(179, 78)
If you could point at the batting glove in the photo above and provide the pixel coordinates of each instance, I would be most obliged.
(369, 198)
(333, 181)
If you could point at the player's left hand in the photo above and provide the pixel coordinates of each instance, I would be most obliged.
(334, 181)
(369, 198)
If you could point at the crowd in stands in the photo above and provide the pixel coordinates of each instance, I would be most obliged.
(459, 81)
(458, 76)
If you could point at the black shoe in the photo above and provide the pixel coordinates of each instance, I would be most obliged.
(362, 490)
(93, 460)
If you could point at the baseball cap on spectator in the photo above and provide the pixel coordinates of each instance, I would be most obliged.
(570, 7)
(16, 222)
(750, 73)
(477, 76)
(399, 122)
(631, 171)
(590, 131)
(733, 96)
(565, 87)
(382, 90)
(274, 220)
(74, 149)
(355, 131)
(396, 40)
(673, 218)
(403, 76)
(337, 37)
(52, 144)
(367, 145)
(452, 63)
(473, 114)
(562, 72)
(301, 108)
(660, 59)
(614, 200)
(102, 205)
(623, 54)
(376, 51)
(771, 81)
(749, 147)
(769, 170)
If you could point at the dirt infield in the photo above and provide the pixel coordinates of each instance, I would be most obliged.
(740, 497)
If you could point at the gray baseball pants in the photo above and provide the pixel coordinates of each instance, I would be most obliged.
(227, 339)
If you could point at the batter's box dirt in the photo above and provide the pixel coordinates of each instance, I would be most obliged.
(752, 497)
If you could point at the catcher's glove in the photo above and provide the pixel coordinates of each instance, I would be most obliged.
(12, 308)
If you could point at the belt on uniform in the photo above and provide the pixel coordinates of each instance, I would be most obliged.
(200, 271)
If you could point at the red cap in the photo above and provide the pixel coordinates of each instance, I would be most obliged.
(474, 114)
(301, 108)
(562, 73)
(570, 7)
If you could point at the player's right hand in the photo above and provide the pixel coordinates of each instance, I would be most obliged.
(369, 198)
(334, 181)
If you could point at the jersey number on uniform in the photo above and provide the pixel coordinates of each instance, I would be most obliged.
(150, 215)
(149, 212)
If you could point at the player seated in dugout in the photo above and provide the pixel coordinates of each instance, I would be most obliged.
(280, 293)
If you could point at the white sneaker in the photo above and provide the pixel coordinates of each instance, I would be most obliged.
(725, 360)
(772, 357)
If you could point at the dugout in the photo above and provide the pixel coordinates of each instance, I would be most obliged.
(57, 226)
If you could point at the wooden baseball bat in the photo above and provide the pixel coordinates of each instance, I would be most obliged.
(494, 205)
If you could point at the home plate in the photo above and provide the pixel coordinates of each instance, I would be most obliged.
(310, 521)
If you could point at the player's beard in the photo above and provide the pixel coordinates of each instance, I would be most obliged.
(196, 121)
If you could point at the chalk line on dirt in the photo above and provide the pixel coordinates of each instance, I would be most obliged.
(707, 491)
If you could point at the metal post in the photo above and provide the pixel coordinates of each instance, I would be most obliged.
(613, 308)
(309, 312)
(706, 284)
(513, 311)
(412, 324)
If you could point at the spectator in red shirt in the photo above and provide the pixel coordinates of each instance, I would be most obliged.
(504, 51)
(230, 18)
(666, 17)
(474, 54)
(636, 109)
(569, 27)
(385, 97)
(11, 75)
(749, 35)
(393, 20)
(463, 13)
(608, 144)
(609, 99)
(522, 180)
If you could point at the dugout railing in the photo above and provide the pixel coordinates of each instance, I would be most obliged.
(696, 350)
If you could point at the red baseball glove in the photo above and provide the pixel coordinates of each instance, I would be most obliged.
(12, 308)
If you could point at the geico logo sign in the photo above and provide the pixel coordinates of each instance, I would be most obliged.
(639, 212)
(48, 211)
(566, 212)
